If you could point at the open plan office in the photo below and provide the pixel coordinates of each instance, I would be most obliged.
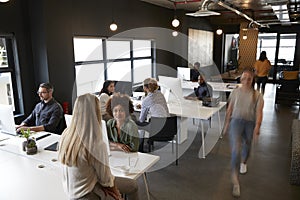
(78, 45)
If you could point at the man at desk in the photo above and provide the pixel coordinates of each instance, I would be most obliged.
(202, 91)
(47, 114)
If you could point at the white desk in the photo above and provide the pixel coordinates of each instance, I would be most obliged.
(194, 109)
(185, 109)
(188, 87)
(20, 172)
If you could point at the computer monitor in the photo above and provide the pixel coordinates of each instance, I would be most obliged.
(7, 121)
(124, 87)
(171, 88)
(184, 73)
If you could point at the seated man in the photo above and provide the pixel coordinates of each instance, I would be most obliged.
(47, 114)
(202, 91)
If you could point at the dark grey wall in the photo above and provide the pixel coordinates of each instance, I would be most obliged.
(55, 22)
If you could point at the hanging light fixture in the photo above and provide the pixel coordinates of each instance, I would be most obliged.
(113, 26)
(175, 33)
(219, 31)
(4, 1)
(175, 22)
(244, 34)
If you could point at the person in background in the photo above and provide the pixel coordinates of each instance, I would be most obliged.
(107, 90)
(262, 68)
(195, 72)
(243, 120)
(47, 115)
(154, 102)
(122, 131)
(204, 89)
(153, 105)
(84, 157)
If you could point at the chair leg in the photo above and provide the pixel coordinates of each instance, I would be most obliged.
(176, 162)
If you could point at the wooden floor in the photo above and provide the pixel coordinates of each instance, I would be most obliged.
(209, 178)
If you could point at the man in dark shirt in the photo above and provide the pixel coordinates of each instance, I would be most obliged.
(204, 89)
(195, 72)
(47, 115)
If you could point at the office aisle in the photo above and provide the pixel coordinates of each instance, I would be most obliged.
(209, 178)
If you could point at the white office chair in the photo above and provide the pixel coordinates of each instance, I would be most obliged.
(68, 119)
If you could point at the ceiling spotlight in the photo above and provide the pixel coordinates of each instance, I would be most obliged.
(174, 33)
(219, 31)
(175, 22)
(236, 36)
(113, 26)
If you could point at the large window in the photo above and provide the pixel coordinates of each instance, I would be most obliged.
(9, 74)
(286, 51)
(267, 42)
(99, 59)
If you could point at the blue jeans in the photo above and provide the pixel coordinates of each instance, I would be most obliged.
(241, 134)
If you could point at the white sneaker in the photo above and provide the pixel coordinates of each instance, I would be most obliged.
(243, 168)
(236, 191)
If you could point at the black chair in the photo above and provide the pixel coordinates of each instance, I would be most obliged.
(288, 88)
(163, 130)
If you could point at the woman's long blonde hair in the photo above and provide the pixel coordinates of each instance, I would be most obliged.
(84, 133)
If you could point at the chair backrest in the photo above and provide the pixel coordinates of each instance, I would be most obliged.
(105, 137)
(68, 119)
(163, 129)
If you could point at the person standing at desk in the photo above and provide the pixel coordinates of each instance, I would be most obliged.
(107, 90)
(83, 153)
(195, 72)
(47, 115)
(262, 68)
(243, 120)
(122, 131)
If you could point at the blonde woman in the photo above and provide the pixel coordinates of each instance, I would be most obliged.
(82, 151)
(243, 120)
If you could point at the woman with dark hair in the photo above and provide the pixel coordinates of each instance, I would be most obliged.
(122, 131)
(243, 120)
(107, 90)
(262, 68)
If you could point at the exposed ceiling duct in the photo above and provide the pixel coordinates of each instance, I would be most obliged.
(203, 11)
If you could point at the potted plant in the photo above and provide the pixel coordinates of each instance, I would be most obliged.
(29, 145)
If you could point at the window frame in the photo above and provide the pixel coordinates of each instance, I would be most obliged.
(131, 58)
(14, 69)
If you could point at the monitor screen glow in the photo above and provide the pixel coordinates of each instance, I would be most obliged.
(7, 121)
(184, 73)
(171, 88)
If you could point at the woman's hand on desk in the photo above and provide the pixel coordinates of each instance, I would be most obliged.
(120, 146)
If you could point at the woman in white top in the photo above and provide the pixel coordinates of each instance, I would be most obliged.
(107, 90)
(83, 153)
(243, 120)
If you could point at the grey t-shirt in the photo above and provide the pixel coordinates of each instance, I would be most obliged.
(245, 103)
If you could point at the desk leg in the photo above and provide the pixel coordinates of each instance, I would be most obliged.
(220, 127)
(182, 123)
(146, 185)
(203, 142)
